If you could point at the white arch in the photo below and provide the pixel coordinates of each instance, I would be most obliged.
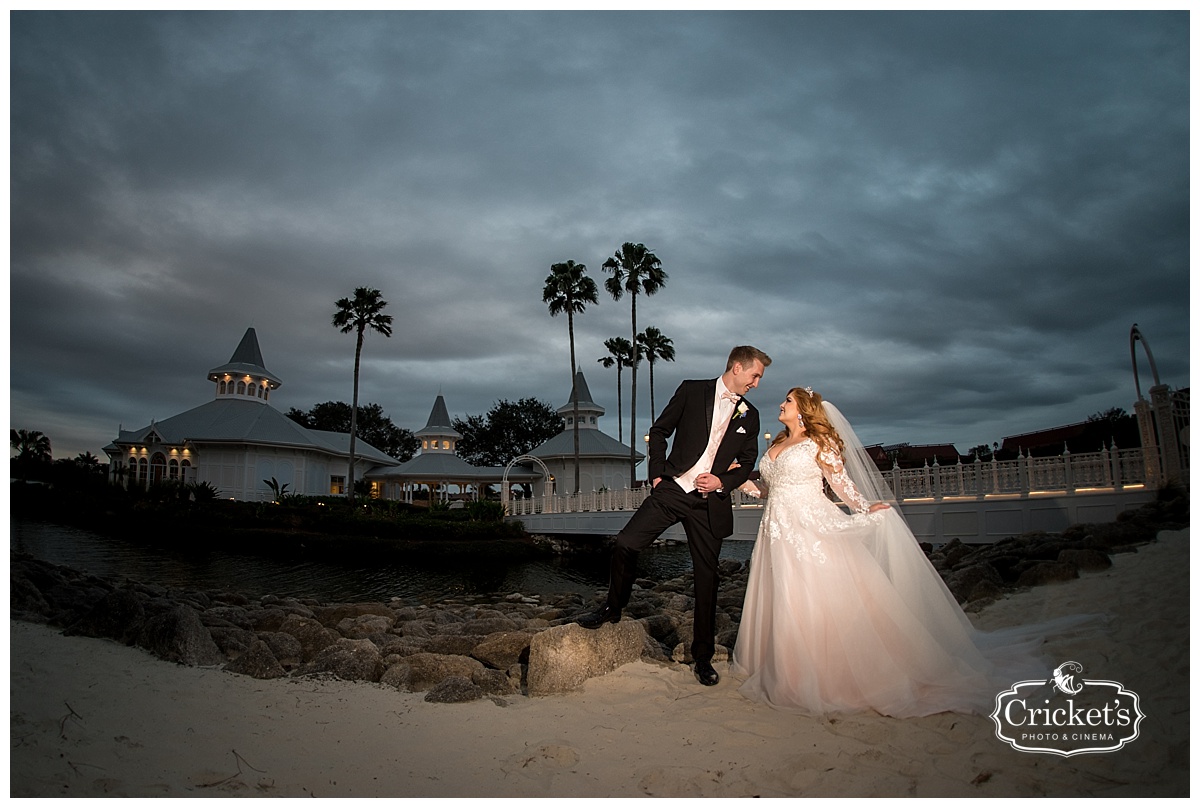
(513, 462)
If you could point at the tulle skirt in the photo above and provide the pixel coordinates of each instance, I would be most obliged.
(865, 623)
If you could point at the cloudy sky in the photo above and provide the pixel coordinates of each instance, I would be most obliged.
(945, 222)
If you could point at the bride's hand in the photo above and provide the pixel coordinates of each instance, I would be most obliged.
(879, 506)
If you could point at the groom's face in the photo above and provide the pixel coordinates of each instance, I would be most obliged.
(746, 378)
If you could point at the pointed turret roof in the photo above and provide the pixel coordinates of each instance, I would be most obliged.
(585, 395)
(439, 421)
(247, 360)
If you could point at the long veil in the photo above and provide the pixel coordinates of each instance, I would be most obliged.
(858, 463)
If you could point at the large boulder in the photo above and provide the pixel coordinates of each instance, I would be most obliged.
(423, 671)
(313, 637)
(503, 650)
(177, 635)
(351, 660)
(119, 616)
(562, 658)
(363, 626)
(454, 690)
(257, 661)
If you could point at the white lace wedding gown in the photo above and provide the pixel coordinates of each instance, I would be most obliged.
(844, 613)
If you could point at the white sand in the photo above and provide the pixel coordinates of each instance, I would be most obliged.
(92, 718)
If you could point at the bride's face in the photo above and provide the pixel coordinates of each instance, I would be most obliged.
(789, 413)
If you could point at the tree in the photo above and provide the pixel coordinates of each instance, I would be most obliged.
(569, 289)
(654, 346)
(33, 451)
(635, 270)
(508, 430)
(620, 353)
(364, 311)
(371, 425)
(982, 452)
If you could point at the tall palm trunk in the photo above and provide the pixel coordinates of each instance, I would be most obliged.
(354, 414)
(574, 395)
(633, 401)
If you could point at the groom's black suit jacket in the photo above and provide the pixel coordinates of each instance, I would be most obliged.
(688, 416)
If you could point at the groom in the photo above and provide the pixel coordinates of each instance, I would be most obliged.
(714, 429)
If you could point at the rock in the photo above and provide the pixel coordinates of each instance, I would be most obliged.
(503, 650)
(562, 658)
(329, 616)
(351, 660)
(1086, 560)
(226, 616)
(257, 661)
(177, 635)
(313, 636)
(454, 690)
(363, 626)
(490, 625)
(118, 616)
(268, 619)
(398, 675)
(964, 580)
(455, 644)
(1047, 572)
(231, 640)
(429, 669)
(494, 682)
(683, 653)
(286, 648)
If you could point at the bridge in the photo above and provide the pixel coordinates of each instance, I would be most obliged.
(979, 502)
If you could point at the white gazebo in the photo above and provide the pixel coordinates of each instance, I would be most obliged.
(238, 441)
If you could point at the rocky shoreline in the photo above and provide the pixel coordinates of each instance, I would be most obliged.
(506, 645)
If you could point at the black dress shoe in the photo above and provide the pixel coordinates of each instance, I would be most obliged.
(706, 674)
(596, 619)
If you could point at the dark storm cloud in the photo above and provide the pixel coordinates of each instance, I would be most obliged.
(947, 222)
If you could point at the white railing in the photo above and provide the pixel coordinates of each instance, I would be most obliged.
(1110, 468)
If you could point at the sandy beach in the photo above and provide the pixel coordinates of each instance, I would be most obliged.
(91, 717)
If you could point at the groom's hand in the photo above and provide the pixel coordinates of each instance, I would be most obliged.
(706, 483)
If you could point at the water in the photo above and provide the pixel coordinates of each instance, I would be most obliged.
(191, 567)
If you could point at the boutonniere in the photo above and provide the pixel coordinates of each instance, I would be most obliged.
(741, 409)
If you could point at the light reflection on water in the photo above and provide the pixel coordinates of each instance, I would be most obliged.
(194, 567)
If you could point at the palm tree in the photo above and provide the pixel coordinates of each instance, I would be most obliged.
(30, 444)
(634, 270)
(569, 289)
(620, 353)
(359, 314)
(33, 449)
(654, 346)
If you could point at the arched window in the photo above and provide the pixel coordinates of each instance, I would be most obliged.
(260, 390)
(173, 469)
(142, 466)
(183, 470)
(241, 388)
(221, 387)
(158, 468)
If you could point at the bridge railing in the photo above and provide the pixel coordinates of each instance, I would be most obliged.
(1067, 473)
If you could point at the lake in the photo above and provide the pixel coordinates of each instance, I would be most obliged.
(424, 581)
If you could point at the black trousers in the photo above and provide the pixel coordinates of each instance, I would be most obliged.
(668, 505)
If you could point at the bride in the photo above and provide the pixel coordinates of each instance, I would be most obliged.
(843, 612)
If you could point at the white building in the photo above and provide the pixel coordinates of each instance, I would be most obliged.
(238, 441)
(603, 460)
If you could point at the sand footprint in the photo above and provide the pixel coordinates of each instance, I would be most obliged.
(539, 759)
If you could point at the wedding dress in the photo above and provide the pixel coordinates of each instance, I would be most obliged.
(844, 613)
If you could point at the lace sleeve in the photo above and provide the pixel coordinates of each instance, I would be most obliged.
(839, 480)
